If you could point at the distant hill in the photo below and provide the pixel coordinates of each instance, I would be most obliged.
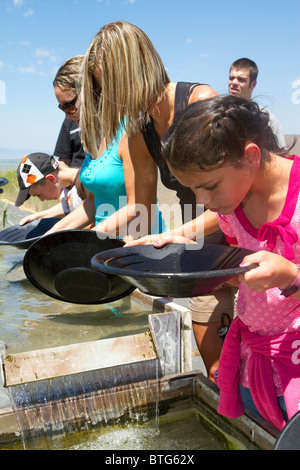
(18, 153)
(10, 153)
(289, 140)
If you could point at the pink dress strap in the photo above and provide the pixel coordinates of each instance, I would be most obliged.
(281, 226)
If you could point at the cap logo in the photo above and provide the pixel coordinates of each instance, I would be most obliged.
(31, 179)
(26, 168)
(54, 162)
(29, 173)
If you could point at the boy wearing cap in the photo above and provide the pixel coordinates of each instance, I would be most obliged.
(47, 178)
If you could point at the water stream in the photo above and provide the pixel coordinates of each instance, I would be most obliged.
(31, 320)
(183, 432)
(108, 409)
(105, 409)
(52, 409)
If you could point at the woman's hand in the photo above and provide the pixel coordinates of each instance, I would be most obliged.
(273, 271)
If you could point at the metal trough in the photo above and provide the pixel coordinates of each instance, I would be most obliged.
(112, 380)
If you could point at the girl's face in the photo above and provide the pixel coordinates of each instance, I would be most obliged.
(220, 190)
(68, 99)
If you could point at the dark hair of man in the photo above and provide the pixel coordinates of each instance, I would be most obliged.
(245, 63)
(215, 131)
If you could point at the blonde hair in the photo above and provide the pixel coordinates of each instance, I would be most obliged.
(130, 78)
(68, 74)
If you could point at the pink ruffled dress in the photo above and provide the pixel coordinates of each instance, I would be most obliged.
(267, 314)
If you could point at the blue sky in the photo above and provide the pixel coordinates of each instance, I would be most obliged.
(197, 40)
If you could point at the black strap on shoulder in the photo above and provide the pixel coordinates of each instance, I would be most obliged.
(183, 94)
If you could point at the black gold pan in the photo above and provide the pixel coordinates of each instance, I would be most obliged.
(22, 236)
(175, 270)
(3, 182)
(59, 265)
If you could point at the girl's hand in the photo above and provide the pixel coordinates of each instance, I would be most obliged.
(159, 240)
(147, 240)
(165, 240)
(273, 271)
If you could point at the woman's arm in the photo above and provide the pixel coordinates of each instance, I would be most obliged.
(80, 217)
(202, 92)
(145, 173)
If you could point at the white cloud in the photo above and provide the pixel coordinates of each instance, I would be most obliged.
(42, 52)
(29, 69)
(28, 12)
(1, 64)
(18, 3)
(43, 58)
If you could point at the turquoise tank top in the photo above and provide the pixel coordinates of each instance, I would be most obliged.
(104, 177)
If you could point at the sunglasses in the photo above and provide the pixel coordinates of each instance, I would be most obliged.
(69, 107)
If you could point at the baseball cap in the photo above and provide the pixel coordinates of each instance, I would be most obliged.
(32, 169)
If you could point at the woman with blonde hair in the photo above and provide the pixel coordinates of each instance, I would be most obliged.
(122, 76)
(124, 80)
(106, 174)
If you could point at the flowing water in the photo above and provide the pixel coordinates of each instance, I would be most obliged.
(50, 410)
(31, 320)
(99, 410)
(180, 431)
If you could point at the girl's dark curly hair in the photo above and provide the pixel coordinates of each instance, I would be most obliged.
(215, 131)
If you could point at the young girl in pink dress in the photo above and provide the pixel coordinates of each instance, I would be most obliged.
(224, 149)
